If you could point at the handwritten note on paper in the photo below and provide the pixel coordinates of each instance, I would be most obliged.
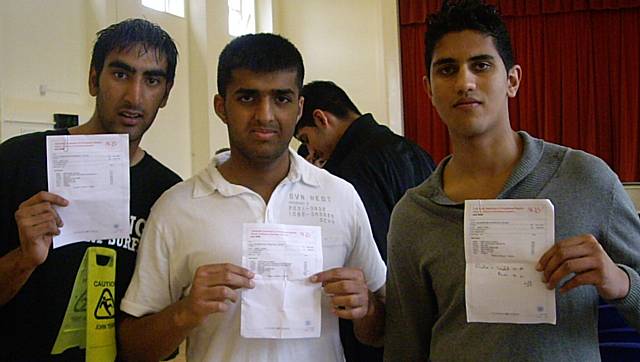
(504, 239)
(92, 172)
(284, 303)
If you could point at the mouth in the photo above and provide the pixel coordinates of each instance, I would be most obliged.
(467, 103)
(130, 117)
(264, 133)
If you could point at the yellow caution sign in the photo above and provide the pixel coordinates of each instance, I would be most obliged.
(89, 321)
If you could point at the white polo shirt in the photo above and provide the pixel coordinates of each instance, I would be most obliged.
(199, 221)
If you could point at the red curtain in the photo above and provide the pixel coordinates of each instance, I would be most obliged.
(581, 76)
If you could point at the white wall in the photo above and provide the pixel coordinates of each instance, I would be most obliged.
(43, 44)
(208, 36)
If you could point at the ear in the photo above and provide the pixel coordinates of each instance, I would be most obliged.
(218, 106)
(300, 107)
(513, 80)
(93, 82)
(320, 118)
(166, 94)
(427, 86)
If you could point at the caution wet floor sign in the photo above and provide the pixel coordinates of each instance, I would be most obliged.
(89, 321)
(105, 308)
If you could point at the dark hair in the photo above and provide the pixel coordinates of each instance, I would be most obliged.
(259, 53)
(327, 96)
(455, 16)
(131, 32)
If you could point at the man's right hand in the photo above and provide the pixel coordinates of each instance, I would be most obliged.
(213, 286)
(38, 222)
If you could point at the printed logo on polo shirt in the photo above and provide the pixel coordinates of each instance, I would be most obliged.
(307, 205)
(136, 226)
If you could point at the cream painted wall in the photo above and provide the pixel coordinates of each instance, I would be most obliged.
(199, 83)
(208, 36)
(43, 44)
(353, 43)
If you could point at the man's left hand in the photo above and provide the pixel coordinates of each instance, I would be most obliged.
(584, 256)
(348, 290)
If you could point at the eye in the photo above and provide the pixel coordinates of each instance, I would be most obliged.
(120, 75)
(447, 69)
(153, 81)
(245, 98)
(482, 66)
(283, 99)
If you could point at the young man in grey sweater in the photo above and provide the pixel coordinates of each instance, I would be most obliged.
(470, 76)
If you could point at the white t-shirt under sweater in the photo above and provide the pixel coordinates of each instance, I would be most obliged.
(199, 221)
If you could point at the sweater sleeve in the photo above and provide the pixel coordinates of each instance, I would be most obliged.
(622, 244)
(411, 306)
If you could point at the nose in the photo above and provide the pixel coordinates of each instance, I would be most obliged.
(264, 110)
(314, 156)
(465, 81)
(134, 92)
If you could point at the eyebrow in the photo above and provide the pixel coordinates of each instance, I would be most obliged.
(128, 68)
(246, 91)
(284, 91)
(443, 61)
(255, 91)
(482, 57)
(475, 58)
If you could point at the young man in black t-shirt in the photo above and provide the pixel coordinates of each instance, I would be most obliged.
(132, 72)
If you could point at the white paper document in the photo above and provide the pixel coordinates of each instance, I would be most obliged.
(284, 303)
(503, 241)
(92, 172)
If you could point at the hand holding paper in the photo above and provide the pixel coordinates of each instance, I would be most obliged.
(38, 222)
(584, 256)
(213, 285)
(348, 290)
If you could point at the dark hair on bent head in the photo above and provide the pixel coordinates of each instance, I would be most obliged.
(455, 16)
(327, 96)
(131, 32)
(259, 53)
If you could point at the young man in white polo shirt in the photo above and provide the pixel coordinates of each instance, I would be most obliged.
(188, 281)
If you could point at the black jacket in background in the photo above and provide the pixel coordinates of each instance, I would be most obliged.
(381, 165)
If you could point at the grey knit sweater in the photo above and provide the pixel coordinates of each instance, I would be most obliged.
(426, 315)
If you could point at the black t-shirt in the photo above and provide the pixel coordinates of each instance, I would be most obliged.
(32, 319)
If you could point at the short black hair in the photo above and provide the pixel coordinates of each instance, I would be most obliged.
(460, 15)
(259, 53)
(131, 32)
(327, 96)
